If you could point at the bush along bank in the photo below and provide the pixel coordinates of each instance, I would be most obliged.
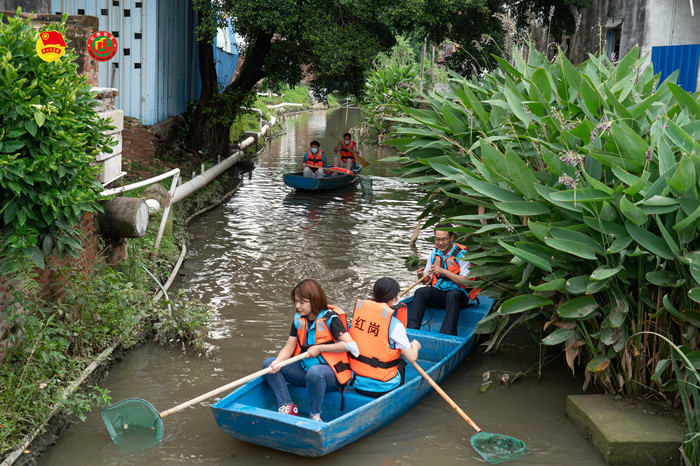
(57, 339)
(576, 190)
(53, 341)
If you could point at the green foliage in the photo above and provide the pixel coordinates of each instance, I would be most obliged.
(293, 95)
(400, 55)
(244, 122)
(49, 136)
(558, 15)
(50, 343)
(576, 190)
(388, 89)
(686, 366)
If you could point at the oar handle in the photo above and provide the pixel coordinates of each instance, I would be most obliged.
(446, 397)
(332, 169)
(411, 287)
(231, 385)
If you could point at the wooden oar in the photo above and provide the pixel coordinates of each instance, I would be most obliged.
(411, 287)
(333, 169)
(231, 385)
(494, 448)
(135, 424)
(362, 161)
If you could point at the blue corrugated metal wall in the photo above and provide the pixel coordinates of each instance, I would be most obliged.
(154, 65)
(669, 58)
(225, 62)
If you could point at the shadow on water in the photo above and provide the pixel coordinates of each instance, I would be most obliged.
(243, 261)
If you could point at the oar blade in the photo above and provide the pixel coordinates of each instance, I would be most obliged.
(497, 448)
(133, 424)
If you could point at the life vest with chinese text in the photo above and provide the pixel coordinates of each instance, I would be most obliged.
(370, 329)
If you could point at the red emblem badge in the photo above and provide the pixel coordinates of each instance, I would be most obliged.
(51, 46)
(102, 46)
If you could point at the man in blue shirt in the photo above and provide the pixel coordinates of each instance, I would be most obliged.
(448, 274)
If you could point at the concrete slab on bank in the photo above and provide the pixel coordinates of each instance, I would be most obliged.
(628, 431)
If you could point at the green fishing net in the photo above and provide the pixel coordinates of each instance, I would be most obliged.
(133, 424)
(496, 448)
(366, 185)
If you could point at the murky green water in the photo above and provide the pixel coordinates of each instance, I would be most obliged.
(245, 258)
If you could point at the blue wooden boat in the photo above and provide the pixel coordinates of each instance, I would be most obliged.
(328, 182)
(250, 413)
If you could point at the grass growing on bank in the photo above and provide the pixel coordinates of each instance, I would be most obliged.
(53, 342)
(296, 95)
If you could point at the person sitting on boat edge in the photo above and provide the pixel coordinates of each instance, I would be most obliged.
(347, 148)
(448, 274)
(314, 156)
(321, 330)
(382, 340)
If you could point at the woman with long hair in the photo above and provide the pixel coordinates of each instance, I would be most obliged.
(321, 330)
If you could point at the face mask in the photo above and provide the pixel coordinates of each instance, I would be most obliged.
(347, 141)
(314, 150)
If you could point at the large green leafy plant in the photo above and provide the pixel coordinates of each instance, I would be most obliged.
(577, 189)
(387, 90)
(49, 136)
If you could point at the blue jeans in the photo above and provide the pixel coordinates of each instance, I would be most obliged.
(318, 380)
(451, 301)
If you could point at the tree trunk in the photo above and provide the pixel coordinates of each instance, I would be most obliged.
(207, 70)
(215, 136)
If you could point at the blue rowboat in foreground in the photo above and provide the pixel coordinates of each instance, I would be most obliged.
(328, 182)
(250, 413)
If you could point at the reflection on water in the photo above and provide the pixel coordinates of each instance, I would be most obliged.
(244, 260)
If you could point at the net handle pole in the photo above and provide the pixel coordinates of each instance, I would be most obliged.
(422, 279)
(446, 397)
(231, 385)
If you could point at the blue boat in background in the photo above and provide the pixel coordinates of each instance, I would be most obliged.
(328, 182)
(250, 413)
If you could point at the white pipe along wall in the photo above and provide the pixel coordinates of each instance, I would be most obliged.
(210, 175)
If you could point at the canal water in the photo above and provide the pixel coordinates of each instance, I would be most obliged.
(244, 259)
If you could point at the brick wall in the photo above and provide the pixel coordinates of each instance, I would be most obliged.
(78, 29)
(138, 141)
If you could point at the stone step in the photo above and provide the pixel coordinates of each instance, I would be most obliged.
(628, 431)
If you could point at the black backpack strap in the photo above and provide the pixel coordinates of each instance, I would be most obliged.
(374, 362)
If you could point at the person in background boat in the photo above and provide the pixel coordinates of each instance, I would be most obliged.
(347, 149)
(321, 330)
(382, 340)
(314, 156)
(447, 274)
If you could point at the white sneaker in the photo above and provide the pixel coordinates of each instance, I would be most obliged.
(290, 408)
(316, 417)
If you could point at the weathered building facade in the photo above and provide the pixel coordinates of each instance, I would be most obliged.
(668, 31)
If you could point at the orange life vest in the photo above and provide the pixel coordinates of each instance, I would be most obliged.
(314, 159)
(337, 361)
(452, 265)
(345, 151)
(370, 330)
